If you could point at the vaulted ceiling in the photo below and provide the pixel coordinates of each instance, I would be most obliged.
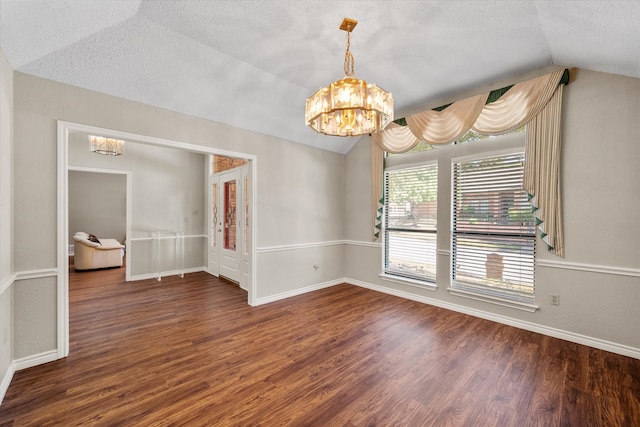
(252, 64)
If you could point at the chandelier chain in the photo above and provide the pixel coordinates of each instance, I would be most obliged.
(349, 62)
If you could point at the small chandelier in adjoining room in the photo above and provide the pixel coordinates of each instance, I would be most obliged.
(349, 107)
(106, 146)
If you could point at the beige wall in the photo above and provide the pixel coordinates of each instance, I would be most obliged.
(168, 185)
(600, 181)
(6, 211)
(299, 194)
(167, 193)
(97, 204)
(309, 201)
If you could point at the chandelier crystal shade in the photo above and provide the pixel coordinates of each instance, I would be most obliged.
(350, 106)
(106, 146)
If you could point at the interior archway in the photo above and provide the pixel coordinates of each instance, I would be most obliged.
(67, 130)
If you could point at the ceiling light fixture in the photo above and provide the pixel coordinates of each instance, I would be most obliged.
(106, 146)
(349, 107)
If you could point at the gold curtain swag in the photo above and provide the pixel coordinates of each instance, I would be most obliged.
(442, 127)
(377, 172)
(535, 103)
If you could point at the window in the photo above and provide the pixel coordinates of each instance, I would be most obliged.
(410, 222)
(493, 228)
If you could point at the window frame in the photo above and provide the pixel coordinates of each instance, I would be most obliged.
(444, 155)
(462, 289)
(408, 279)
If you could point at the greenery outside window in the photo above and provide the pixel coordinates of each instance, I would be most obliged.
(410, 222)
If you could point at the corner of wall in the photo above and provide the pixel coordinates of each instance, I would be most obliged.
(7, 277)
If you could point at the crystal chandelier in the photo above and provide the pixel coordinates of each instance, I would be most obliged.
(106, 146)
(349, 107)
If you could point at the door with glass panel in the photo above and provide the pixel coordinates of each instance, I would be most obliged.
(230, 224)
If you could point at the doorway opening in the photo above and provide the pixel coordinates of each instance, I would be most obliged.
(229, 218)
(68, 130)
(96, 204)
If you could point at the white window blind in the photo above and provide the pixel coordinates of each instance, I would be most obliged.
(493, 228)
(410, 222)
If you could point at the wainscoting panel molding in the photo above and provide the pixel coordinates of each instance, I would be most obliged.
(36, 274)
(591, 268)
(299, 246)
(365, 244)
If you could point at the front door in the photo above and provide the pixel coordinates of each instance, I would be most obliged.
(230, 225)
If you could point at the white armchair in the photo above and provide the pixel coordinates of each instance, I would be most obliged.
(90, 255)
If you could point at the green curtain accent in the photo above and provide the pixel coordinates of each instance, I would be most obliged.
(378, 224)
(538, 221)
(442, 107)
(379, 216)
(494, 95)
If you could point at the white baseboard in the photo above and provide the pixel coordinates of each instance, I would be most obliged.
(521, 324)
(4, 385)
(165, 274)
(36, 359)
(528, 326)
(300, 291)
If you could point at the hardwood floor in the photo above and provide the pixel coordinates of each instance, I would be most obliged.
(192, 352)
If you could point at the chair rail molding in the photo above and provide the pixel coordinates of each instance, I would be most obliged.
(7, 282)
(591, 268)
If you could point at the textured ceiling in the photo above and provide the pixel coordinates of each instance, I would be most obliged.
(252, 64)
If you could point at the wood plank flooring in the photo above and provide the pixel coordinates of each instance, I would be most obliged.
(191, 352)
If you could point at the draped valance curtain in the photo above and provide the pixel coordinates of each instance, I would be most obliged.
(535, 103)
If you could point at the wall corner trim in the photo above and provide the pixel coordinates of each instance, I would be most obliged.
(4, 385)
(7, 282)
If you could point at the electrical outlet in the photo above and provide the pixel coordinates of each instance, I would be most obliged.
(555, 299)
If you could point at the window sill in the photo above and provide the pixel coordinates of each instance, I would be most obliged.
(518, 305)
(409, 282)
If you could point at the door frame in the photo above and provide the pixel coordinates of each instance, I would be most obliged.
(64, 128)
(127, 175)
